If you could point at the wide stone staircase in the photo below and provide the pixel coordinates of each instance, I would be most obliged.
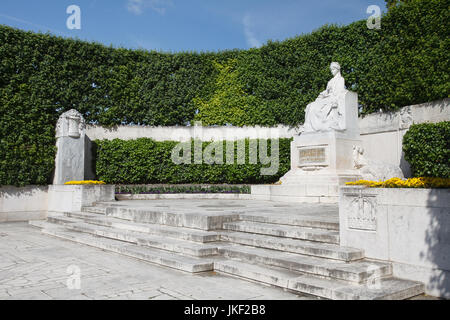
(293, 252)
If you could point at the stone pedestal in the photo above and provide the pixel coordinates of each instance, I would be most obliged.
(71, 198)
(70, 142)
(322, 158)
(320, 163)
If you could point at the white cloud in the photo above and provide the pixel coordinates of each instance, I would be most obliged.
(252, 41)
(37, 26)
(137, 7)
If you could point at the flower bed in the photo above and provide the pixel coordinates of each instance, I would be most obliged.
(86, 182)
(422, 182)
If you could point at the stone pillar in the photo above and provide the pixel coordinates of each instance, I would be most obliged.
(70, 141)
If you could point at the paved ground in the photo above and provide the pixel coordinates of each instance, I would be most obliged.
(35, 266)
(211, 207)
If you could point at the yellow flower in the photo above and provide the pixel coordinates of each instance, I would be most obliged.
(86, 182)
(421, 182)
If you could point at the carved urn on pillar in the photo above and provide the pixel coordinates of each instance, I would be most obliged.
(70, 142)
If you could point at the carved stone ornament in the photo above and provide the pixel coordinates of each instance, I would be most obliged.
(70, 124)
(374, 170)
(362, 212)
(406, 118)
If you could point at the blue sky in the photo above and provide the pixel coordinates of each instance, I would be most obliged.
(184, 25)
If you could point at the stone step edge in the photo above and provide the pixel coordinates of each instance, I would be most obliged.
(94, 209)
(183, 233)
(150, 255)
(271, 230)
(298, 222)
(146, 240)
(163, 217)
(303, 264)
(314, 286)
(299, 246)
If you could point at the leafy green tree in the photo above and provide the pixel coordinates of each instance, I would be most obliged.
(230, 104)
(393, 3)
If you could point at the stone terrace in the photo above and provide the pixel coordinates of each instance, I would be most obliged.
(289, 245)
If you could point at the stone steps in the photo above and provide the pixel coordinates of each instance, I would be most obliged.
(296, 249)
(169, 217)
(95, 209)
(310, 248)
(358, 271)
(293, 220)
(152, 255)
(142, 239)
(180, 233)
(384, 289)
(311, 234)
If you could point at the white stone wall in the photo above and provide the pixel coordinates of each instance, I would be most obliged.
(179, 133)
(381, 133)
(23, 204)
(408, 227)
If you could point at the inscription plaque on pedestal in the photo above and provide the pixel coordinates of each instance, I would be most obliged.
(312, 156)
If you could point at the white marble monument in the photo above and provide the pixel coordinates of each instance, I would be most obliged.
(323, 152)
(70, 140)
(322, 155)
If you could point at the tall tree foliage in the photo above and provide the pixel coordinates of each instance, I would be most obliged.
(41, 76)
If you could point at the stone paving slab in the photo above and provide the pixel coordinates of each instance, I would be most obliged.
(35, 266)
(213, 207)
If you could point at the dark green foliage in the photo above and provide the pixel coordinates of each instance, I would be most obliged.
(230, 103)
(410, 63)
(158, 189)
(42, 76)
(427, 149)
(145, 161)
(393, 3)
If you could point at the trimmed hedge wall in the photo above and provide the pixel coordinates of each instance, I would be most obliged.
(180, 188)
(145, 161)
(427, 149)
(41, 76)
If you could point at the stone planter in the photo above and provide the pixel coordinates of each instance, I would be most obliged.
(408, 227)
(23, 204)
(71, 198)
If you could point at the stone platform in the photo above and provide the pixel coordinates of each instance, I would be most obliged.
(288, 245)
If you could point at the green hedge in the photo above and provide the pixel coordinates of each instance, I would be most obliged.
(145, 161)
(176, 189)
(41, 76)
(427, 149)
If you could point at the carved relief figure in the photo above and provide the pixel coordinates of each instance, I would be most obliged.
(70, 123)
(323, 114)
(374, 170)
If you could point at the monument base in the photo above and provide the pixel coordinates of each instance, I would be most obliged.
(320, 163)
(301, 187)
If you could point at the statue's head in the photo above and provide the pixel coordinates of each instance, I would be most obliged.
(335, 68)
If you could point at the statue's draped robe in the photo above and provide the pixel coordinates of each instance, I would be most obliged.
(322, 114)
